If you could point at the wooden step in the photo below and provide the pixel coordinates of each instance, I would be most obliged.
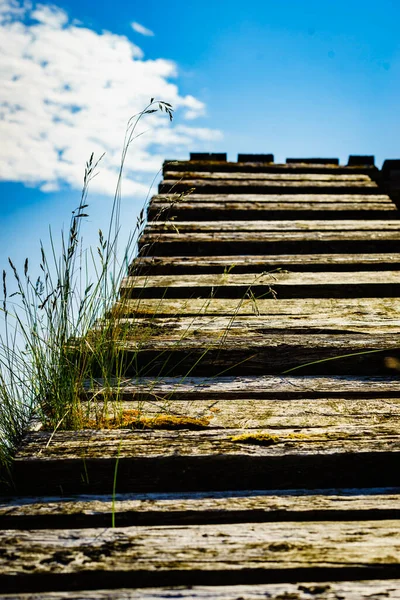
(256, 354)
(171, 265)
(311, 415)
(285, 226)
(252, 506)
(258, 167)
(210, 459)
(267, 206)
(176, 200)
(282, 177)
(280, 284)
(257, 242)
(219, 211)
(265, 186)
(236, 388)
(199, 554)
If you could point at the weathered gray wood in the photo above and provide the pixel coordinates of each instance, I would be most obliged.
(235, 387)
(207, 507)
(256, 354)
(233, 186)
(382, 310)
(213, 243)
(282, 284)
(207, 211)
(284, 177)
(239, 553)
(265, 199)
(326, 590)
(355, 225)
(213, 325)
(161, 265)
(210, 459)
(251, 414)
(256, 167)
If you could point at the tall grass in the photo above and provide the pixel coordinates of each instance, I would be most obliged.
(67, 304)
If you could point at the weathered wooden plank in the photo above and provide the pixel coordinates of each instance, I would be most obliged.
(353, 225)
(208, 211)
(233, 186)
(256, 354)
(248, 414)
(356, 198)
(235, 387)
(210, 459)
(213, 243)
(325, 590)
(281, 284)
(196, 508)
(199, 554)
(161, 265)
(256, 167)
(309, 177)
(219, 326)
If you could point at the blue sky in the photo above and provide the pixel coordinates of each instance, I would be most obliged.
(293, 78)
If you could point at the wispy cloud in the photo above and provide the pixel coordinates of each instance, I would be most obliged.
(68, 90)
(141, 29)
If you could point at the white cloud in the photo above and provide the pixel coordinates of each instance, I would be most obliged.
(68, 91)
(141, 29)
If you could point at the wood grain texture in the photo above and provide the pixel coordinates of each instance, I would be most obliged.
(258, 354)
(375, 309)
(356, 225)
(266, 186)
(265, 199)
(256, 167)
(208, 211)
(161, 265)
(210, 459)
(325, 590)
(282, 177)
(219, 326)
(283, 285)
(235, 387)
(212, 243)
(255, 413)
(240, 553)
(249, 506)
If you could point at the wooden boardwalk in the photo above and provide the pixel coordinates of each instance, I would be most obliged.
(260, 328)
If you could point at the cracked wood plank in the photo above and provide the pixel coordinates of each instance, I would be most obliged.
(284, 285)
(212, 243)
(219, 326)
(247, 413)
(351, 225)
(283, 177)
(266, 186)
(250, 506)
(161, 265)
(265, 199)
(210, 459)
(234, 387)
(198, 554)
(325, 590)
(207, 211)
(258, 354)
(257, 167)
(376, 309)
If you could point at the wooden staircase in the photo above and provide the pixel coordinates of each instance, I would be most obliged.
(262, 354)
